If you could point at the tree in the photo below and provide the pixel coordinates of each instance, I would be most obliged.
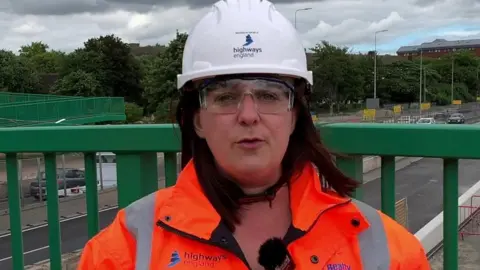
(111, 62)
(133, 112)
(336, 75)
(78, 83)
(161, 75)
(17, 74)
(42, 60)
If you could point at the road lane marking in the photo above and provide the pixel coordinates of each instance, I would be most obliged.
(42, 226)
(25, 253)
(63, 220)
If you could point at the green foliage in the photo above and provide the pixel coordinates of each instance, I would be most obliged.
(17, 74)
(133, 112)
(78, 83)
(161, 74)
(342, 78)
(147, 76)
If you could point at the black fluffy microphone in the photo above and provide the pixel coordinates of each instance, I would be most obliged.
(273, 255)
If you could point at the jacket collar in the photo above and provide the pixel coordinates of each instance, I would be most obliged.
(189, 211)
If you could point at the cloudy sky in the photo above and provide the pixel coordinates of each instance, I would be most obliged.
(66, 24)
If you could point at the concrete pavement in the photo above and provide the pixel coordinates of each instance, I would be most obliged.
(468, 249)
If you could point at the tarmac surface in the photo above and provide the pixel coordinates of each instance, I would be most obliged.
(421, 183)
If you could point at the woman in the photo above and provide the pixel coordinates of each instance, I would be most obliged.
(250, 153)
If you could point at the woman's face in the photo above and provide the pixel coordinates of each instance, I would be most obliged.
(247, 125)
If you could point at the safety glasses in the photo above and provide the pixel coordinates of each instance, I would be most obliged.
(225, 95)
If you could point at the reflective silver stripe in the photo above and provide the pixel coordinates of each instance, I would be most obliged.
(373, 241)
(139, 218)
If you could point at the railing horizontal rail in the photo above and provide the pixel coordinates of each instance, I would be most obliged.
(111, 138)
(37, 112)
(457, 141)
(11, 97)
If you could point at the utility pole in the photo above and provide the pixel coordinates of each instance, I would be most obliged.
(420, 90)
(424, 86)
(375, 65)
(451, 87)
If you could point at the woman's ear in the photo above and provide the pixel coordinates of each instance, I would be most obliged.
(198, 125)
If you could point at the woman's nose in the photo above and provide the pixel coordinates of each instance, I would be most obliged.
(248, 110)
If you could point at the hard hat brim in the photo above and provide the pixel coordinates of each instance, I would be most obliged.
(182, 79)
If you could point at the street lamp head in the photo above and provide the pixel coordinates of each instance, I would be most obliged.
(381, 31)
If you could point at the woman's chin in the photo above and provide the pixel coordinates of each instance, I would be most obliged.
(254, 174)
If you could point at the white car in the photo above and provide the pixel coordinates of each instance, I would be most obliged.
(428, 120)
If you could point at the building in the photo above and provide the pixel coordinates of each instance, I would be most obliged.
(440, 47)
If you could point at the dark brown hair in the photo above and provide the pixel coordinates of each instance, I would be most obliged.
(304, 146)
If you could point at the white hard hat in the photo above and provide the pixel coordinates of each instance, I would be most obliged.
(243, 36)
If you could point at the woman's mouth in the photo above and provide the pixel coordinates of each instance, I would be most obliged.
(251, 143)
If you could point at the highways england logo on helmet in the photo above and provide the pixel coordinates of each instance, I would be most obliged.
(248, 49)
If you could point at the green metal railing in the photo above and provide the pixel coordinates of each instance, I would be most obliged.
(10, 97)
(448, 142)
(48, 112)
(136, 147)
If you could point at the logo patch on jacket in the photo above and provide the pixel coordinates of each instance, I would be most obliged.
(338, 266)
(195, 259)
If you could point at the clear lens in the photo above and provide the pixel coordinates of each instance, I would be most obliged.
(226, 96)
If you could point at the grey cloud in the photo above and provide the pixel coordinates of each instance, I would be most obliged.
(58, 7)
(65, 7)
(197, 3)
(423, 3)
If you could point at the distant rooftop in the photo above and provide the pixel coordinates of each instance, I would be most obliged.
(442, 44)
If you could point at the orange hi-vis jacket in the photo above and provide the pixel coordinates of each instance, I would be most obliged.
(177, 228)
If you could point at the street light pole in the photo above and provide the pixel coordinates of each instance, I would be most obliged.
(300, 9)
(451, 87)
(420, 89)
(375, 65)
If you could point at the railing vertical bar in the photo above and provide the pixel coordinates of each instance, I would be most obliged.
(137, 176)
(13, 185)
(170, 168)
(52, 212)
(388, 185)
(352, 167)
(91, 190)
(450, 214)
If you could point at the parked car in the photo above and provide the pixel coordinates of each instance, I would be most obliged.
(74, 183)
(456, 118)
(74, 178)
(428, 120)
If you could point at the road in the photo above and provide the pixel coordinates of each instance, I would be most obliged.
(420, 182)
(74, 236)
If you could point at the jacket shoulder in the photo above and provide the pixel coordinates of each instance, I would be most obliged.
(405, 249)
(114, 246)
